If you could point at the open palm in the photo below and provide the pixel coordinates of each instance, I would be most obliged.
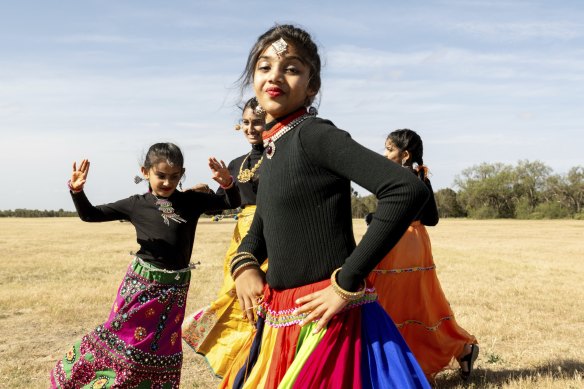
(79, 176)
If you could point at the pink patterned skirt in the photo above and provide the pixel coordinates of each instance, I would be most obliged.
(140, 343)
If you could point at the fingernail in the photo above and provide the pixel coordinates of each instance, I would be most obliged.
(315, 331)
(294, 312)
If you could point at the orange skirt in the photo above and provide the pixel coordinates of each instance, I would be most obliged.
(409, 290)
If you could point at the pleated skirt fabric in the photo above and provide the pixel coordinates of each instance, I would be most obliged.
(139, 345)
(218, 331)
(360, 348)
(410, 292)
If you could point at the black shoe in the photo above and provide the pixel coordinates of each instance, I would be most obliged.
(470, 359)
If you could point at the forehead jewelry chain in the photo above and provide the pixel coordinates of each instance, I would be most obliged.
(167, 211)
(270, 143)
(246, 174)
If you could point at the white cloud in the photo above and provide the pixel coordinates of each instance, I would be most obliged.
(520, 31)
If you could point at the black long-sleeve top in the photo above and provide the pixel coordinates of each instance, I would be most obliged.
(428, 215)
(168, 246)
(303, 222)
(247, 190)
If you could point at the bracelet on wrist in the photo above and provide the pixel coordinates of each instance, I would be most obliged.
(73, 189)
(229, 185)
(239, 258)
(240, 269)
(345, 294)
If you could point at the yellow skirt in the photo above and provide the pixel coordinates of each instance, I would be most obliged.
(410, 292)
(218, 331)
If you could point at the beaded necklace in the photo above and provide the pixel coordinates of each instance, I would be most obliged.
(280, 129)
(247, 174)
(167, 211)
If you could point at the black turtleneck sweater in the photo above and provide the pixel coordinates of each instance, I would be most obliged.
(166, 245)
(247, 190)
(303, 222)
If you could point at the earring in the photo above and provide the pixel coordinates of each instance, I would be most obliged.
(259, 110)
(138, 179)
(404, 160)
(312, 111)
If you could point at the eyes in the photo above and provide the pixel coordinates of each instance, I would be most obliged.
(173, 177)
(265, 67)
(253, 123)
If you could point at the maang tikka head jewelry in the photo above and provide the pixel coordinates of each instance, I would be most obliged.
(280, 47)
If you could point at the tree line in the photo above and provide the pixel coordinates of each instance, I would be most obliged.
(36, 213)
(527, 190)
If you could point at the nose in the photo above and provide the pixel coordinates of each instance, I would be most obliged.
(275, 75)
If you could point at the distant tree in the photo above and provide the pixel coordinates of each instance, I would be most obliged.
(448, 205)
(568, 190)
(529, 187)
(361, 206)
(20, 212)
(486, 190)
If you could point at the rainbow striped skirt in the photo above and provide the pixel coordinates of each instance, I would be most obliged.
(360, 348)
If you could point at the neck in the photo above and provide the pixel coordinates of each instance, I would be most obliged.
(273, 126)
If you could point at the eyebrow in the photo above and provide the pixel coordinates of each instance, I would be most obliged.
(288, 57)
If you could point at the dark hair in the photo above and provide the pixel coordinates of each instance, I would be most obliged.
(409, 140)
(163, 152)
(251, 104)
(301, 40)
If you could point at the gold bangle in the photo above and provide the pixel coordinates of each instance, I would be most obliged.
(239, 257)
(242, 267)
(345, 294)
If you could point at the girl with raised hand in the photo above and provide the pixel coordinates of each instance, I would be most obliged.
(140, 343)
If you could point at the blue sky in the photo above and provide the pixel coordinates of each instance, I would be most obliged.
(481, 81)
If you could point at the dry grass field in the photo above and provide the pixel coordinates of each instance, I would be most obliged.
(518, 286)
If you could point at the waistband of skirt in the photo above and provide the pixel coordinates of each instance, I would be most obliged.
(278, 306)
(163, 276)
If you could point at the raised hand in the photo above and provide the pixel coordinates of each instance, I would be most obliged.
(219, 172)
(79, 176)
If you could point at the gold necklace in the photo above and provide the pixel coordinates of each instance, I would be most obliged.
(246, 174)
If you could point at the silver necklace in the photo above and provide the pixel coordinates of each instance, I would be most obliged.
(167, 211)
(270, 143)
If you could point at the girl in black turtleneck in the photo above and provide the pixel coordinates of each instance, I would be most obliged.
(227, 333)
(318, 322)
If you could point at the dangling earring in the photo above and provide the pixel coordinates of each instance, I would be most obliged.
(180, 185)
(312, 111)
(404, 160)
(258, 110)
(138, 179)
